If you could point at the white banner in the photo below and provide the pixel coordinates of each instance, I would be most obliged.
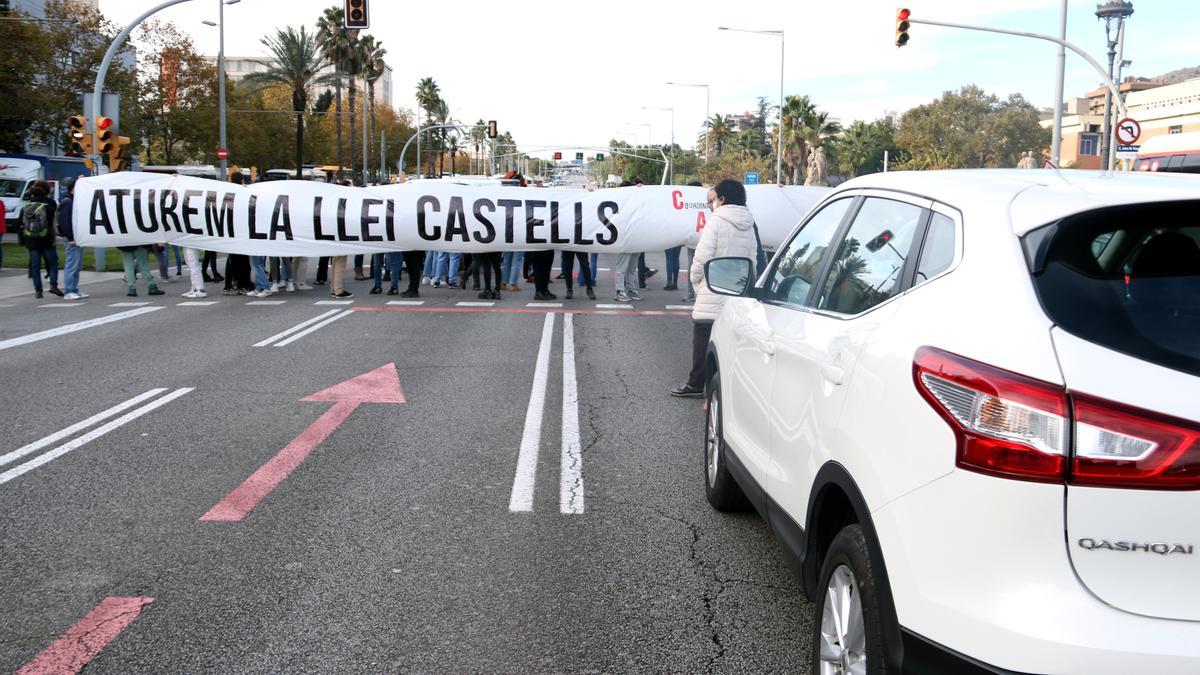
(305, 218)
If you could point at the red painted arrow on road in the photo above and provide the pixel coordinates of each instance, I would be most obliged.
(381, 385)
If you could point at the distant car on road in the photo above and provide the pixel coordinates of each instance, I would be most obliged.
(968, 404)
(1171, 153)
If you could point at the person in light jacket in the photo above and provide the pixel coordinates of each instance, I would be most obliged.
(729, 232)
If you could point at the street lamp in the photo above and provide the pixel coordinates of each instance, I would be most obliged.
(222, 162)
(707, 100)
(1110, 12)
(649, 130)
(672, 111)
(779, 122)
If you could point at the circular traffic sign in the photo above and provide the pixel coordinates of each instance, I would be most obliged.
(1128, 131)
(222, 153)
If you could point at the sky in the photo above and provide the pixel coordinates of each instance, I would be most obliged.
(566, 73)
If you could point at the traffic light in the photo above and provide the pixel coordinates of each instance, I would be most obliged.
(599, 156)
(356, 14)
(880, 241)
(104, 135)
(557, 156)
(118, 157)
(902, 25)
(579, 156)
(491, 129)
(80, 140)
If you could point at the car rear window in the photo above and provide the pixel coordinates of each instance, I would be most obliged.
(1127, 278)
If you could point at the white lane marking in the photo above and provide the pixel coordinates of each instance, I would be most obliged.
(293, 329)
(543, 304)
(406, 303)
(196, 303)
(614, 306)
(687, 307)
(570, 489)
(73, 327)
(266, 302)
(313, 328)
(70, 303)
(475, 304)
(129, 304)
(531, 439)
(334, 302)
(77, 427)
(90, 436)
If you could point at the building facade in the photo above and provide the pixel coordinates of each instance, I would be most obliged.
(1160, 109)
(238, 67)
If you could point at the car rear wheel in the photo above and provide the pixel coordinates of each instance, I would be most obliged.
(848, 629)
(723, 492)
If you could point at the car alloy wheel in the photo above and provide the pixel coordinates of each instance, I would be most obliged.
(843, 627)
(712, 438)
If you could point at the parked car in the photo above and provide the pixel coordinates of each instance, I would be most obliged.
(968, 405)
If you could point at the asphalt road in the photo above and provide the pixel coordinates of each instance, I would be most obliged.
(393, 545)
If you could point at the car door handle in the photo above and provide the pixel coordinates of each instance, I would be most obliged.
(834, 374)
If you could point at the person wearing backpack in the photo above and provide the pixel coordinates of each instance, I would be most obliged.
(37, 225)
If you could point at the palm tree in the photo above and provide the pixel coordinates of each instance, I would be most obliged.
(856, 147)
(718, 131)
(796, 111)
(441, 116)
(816, 130)
(374, 52)
(477, 136)
(353, 67)
(334, 39)
(297, 59)
(747, 142)
(428, 94)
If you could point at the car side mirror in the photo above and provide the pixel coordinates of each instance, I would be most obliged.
(729, 276)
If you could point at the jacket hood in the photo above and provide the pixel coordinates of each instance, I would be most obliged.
(738, 216)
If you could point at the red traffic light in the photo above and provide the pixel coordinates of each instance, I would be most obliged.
(557, 156)
(903, 14)
(103, 123)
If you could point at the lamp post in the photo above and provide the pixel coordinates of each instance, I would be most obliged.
(779, 119)
(649, 130)
(222, 162)
(1113, 11)
(707, 100)
(672, 111)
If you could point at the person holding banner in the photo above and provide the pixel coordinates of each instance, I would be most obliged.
(730, 232)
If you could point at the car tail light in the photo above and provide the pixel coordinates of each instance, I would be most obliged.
(1013, 426)
(1119, 446)
(1005, 424)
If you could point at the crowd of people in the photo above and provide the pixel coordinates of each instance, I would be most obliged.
(43, 221)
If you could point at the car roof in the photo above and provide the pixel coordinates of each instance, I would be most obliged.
(1033, 197)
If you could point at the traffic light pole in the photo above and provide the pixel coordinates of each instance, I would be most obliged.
(1038, 36)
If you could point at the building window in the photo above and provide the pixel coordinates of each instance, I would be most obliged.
(1175, 129)
(1088, 144)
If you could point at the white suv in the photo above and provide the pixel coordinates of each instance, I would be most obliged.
(968, 404)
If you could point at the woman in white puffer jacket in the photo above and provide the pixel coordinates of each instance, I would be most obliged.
(729, 232)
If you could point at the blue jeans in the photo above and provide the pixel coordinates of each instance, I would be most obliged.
(510, 267)
(35, 266)
(673, 266)
(392, 261)
(430, 264)
(258, 263)
(592, 265)
(447, 267)
(71, 272)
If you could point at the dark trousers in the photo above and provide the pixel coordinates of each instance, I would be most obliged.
(323, 269)
(642, 270)
(36, 256)
(542, 262)
(568, 267)
(237, 272)
(673, 268)
(490, 262)
(414, 261)
(701, 331)
(210, 262)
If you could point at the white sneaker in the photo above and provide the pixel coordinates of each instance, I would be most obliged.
(266, 292)
(291, 287)
(303, 287)
(72, 296)
(621, 297)
(276, 287)
(81, 295)
(425, 281)
(190, 294)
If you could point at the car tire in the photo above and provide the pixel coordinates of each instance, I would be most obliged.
(848, 626)
(722, 491)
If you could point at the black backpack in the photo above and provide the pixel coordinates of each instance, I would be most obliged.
(34, 222)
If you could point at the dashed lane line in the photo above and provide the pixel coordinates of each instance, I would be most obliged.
(570, 488)
(315, 327)
(334, 302)
(531, 438)
(298, 327)
(74, 327)
(406, 303)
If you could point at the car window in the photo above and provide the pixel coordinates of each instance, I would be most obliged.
(870, 259)
(937, 253)
(799, 263)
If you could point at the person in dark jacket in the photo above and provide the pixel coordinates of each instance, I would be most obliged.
(66, 227)
(41, 209)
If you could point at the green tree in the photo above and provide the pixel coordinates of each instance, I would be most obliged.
(335, 42)
(373, 69)
(860, 149)
(796, 112)
(719, 131)
(178, 96)
(970, 129)
(428, 95)
(296, 60)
